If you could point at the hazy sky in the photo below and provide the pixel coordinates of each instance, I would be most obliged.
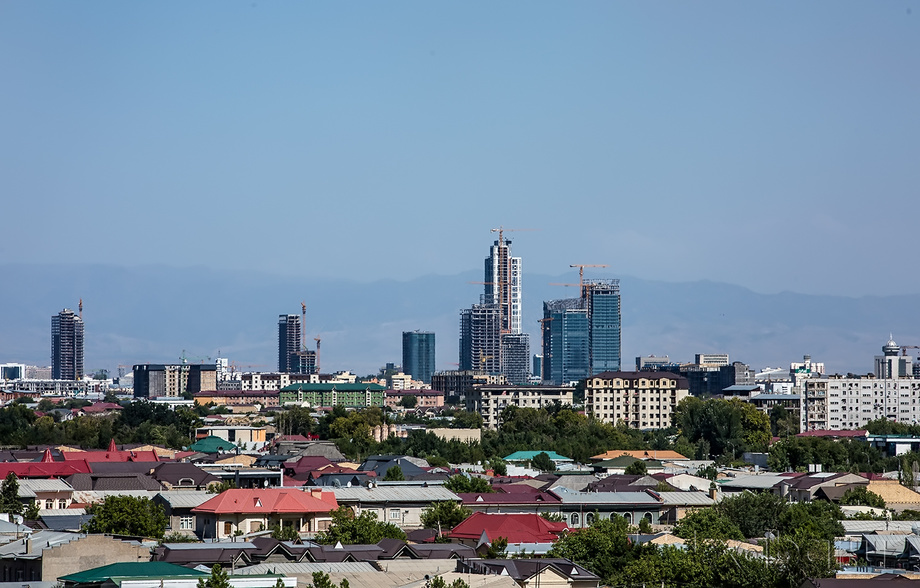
(771, 145)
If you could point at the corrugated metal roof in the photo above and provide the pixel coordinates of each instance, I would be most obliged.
(856, 527)
(288, 568)
(570, 497)
(394, 494)
(185, 498)
(28, 487)
(688, 498)
(40, 540)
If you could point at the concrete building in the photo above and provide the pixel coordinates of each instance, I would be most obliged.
(173, 380)
(891, 365)
(293, 356)
(357, 395)
(12, 371)
(418, 354)
(641, 400)
(516, 357)
(66, 346)
(490, 401)
(424, 398)
(503, 280)
(714, 359)
(837, 402)
(480, 339)
(457, 383)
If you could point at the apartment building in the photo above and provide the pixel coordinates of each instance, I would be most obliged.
(490, 401)
(642, 400)
(840, 403)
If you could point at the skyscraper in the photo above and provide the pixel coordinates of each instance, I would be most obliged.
(66, 346)
(491, 337)
(418, 354)
(581, 336)
(503, 284)
(603, 303)
(289, 342)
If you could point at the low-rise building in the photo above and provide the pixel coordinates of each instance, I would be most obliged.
(250, 511)
(641, 400)
(397, 504)
(423, 398)
(237, 397)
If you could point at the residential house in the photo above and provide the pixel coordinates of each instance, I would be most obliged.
(397, 504)
(484, 528)
(511, 502)
(580, 509)
(179, 506)
(46, 494)
(534, 573)
(248, 511)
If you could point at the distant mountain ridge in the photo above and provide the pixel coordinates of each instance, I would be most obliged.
(153, 313)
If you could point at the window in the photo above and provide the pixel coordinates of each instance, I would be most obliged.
(394, 514)
(62, 503)
(49, 504)
(574, 519)
(589, 518)
(186, 523)
(228, 527)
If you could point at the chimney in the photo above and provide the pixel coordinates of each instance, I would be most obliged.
(29, 544)
(713, 493)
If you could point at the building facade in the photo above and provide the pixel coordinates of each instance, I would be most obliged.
(289, 343)
(323, 395)
(480, 339)
(490, 401)
(173, 380)
(66, 346)
(641, 400)
(840, 403)
(503, 284)
(418, 354)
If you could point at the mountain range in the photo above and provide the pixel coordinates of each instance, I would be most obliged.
(158, 313)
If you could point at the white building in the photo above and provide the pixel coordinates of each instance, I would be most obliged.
(890, 365)
(490, 401)
(839, 403)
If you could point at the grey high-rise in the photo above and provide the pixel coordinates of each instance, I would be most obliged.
(66, 346)
(289, 343)
(418, 354)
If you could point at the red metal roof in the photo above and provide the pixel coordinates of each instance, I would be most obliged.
(516, 528)
(54, 469)
(268, 501)
(92, 456)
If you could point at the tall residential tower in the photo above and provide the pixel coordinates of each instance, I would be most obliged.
(66, 346)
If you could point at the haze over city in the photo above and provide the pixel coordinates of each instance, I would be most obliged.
(764, 146)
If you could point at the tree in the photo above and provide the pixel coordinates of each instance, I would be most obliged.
(285, 533)
(296, 420)
(32, 512)
(218, 487)
(127, 515)
(636, 468)
(217, 579)
(498, 549)
(394, 474)
(362, 529)
(707, 523)
(439, 582)
(862, 496)
(9, 495)
(444, 516)
(498, 466)
(408, 401)
(322, 580)
(603, 548)
(461, 483)
(543, 462)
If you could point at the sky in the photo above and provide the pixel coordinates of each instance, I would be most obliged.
(768, 145)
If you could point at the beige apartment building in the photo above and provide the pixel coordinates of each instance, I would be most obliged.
(642, 400)
(490, 401)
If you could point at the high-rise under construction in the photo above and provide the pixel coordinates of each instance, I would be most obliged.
(66, 346)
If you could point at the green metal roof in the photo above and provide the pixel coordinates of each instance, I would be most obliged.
(134, 569)
(529, 455)
(211, 444)
(337, 387)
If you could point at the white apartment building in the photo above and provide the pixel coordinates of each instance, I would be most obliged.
(490, 401)
(642, 400)
(840, 403)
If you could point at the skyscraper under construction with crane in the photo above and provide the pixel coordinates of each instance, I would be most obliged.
(491, 337)
(582, 336)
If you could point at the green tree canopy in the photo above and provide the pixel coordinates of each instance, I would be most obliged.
(862, 496)
(127, 515)
(362, 529)
(543, 462)
(636, 468)
(603, 548)
(9, 495)
(707, 523)
(444, 516)
(461, 483)
(394, 474)
(217, 579)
